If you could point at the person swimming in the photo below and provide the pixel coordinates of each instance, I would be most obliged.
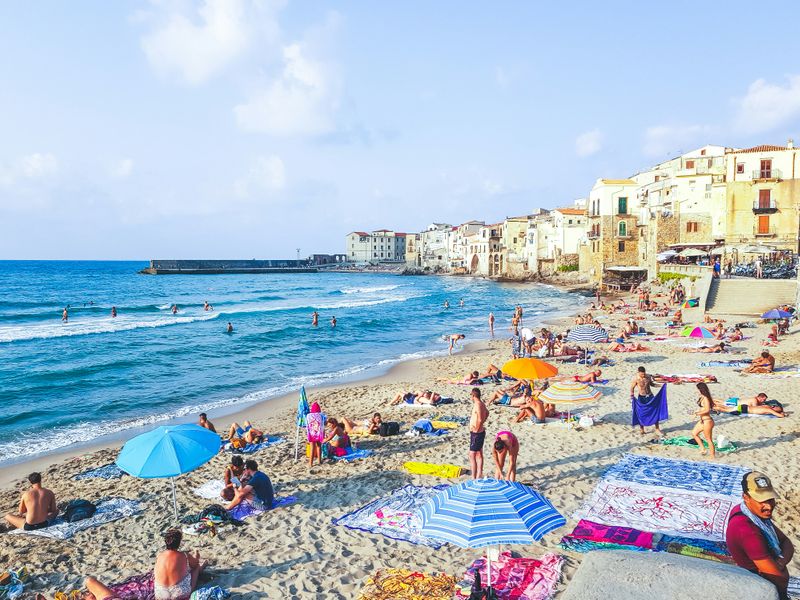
(174, 309)
(113, 311)
(229, 328)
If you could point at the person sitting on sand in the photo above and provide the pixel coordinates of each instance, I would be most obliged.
(677, 318)
(37, 508)
(535, 410)
(248, 434)
(175, 574)
(336, 440)
(257, 492)
(204, 422)
(772, 337)
(736, 335)
(232, 477)
(506, 444)
(763, 364)
(719, 348)
(368, 427)
(758, 405)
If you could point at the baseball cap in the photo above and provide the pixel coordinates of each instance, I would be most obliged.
(759, 487)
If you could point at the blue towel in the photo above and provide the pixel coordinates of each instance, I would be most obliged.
(649, 411)
(251, 448)
(354, 455)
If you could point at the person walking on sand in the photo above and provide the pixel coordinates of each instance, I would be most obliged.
(65, 316)
(314, 319)
(477, 433)
(506, 444)
(37, 508)
(491, 323)
(645, 410)
(706, 423)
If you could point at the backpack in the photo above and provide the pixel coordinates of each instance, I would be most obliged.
(389, 428)
(78, 510)
(214, 512)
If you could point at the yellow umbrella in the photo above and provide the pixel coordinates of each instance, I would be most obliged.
(529, 368)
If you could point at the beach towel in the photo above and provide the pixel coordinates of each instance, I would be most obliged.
(705, 549)
(425, 427)
(403, 584)
(353, 454)
(691, 378)
(444, 424)
(442, 470)
(650, 410)
(108, 510)
(138, 587)
(794, 587)
(685, 440)
(244, 510)
(251, 448)
(583, 546)
(516, 578)
(210, 490)
(726, 363)
(625, 536)
(698, 476)
(395, 516)
(109, 471)
(211, 592)
(315, 427)
(658, 509)
(450, 419)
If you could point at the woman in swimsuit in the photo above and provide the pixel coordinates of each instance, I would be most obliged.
(338, 441)
(368, 427)
(706, 424)
(175, 573)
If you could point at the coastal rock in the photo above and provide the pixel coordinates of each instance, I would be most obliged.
(624, 575)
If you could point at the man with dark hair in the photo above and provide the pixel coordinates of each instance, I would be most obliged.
(763, 364)
(647, 408)
(477, 433)
(755, 543)
(258, 492)
(37, 507)
(204, 422)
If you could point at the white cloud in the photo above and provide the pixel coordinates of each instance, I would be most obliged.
(589, 142)
(302, 100)
(767, 106)
(34, 166)
(661, 140)
(123, 168)
(268, 174)
(195, 44)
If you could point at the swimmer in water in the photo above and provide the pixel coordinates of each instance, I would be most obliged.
(461, 303)
(207, 306)
(333, 321)
(447, 304)
(230, 328)
(65, 316)
(174, 309)
(113, 311)
(314, 319)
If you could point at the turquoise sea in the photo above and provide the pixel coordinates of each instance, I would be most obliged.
(72, 383)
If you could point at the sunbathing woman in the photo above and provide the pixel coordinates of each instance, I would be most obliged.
(368, 427)
(233, 476)
(337, 440)
(617, 346)
(708, 349)
(427, 397)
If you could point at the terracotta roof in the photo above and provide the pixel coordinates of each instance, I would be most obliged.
(361, 233)
(762, 148)
(382, 231)
(398, 234)
(571, 211)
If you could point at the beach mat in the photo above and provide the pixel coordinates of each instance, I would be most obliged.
(437, 470)
(251, 448)
(688, 442)
(516, 578)
(353, 454)
(403, 584)
(726, 363)
(108, 510)
(395, 516)
(109, 471)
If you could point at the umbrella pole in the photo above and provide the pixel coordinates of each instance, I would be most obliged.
(488, 570)
(174, 498)
(296, 441)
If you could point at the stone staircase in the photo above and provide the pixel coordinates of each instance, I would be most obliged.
(745, 296)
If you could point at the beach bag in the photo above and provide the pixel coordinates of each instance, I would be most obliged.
(78, 510)
(214, 512)
(389, 428)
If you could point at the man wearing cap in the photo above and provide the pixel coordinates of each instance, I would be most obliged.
(753, 540)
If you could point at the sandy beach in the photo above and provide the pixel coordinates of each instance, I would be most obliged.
(296, 552)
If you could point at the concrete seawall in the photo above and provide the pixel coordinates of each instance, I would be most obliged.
(223, 267)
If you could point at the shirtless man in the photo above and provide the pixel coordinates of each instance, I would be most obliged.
(477, 433)
(763, 364)
(204, 422)
(246, 432)
(505, 444)
(174, 309)
(491, 324)
(758, 405)
(453, 339)
(333, 321)
(708, 349)
(65, 316)
(314, 319)
(37, 507)
(642, 386)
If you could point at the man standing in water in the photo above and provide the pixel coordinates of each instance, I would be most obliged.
(477, 433)
(65, 316)
(461, 303)
(447, 304)
(491, 323)
(113, 311)
(314, 319)
(333, 321)
(645, 411)
(174, 309)
(230, 327)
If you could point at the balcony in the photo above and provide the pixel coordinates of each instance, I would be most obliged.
(593, 235)
(764, 232)
(767, 174)
(762, 207)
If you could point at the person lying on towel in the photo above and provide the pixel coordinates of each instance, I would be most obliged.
(758, 405)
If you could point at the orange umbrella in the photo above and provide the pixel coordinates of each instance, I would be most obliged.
(529, 368)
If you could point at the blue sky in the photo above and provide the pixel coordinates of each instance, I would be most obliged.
(248, 128)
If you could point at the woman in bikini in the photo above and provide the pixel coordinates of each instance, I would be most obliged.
(337, 439)
(706, 423)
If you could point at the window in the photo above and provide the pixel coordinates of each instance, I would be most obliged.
(658, 177)
(690, 164)
(692, 226)
(708, 187)
(569, 222)
(763, 224)
(766, 169)
(710, 162)
(622, 206)
(623, 229)
(740, 167)
(763, 198)
(621, 246)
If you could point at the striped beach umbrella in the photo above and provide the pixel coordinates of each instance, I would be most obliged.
(587, 333)
(489, 512)
(697, 332)
(569, 392)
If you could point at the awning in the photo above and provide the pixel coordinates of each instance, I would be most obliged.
(692, 252)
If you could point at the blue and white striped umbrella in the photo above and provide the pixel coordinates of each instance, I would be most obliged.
(489, 512)
(587, 333)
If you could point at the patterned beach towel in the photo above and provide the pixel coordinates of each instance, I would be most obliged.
(726, 363)
(691, 378)
(516, 578)
(109, 471)
(107, 511)
(712, 478)
(402, 584)
(138, 587)
(580, 545)
(395, 516)
(241, 511)
(705, 549)
(658, 509)
(251, 448)
(626, 536)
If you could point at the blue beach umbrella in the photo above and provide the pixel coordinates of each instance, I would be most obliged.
(776, 313)
(489, 512)
(302, 411)
(168, 451)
